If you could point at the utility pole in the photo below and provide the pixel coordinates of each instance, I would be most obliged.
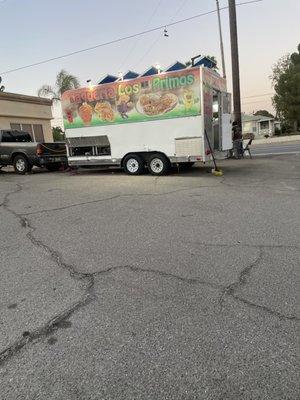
(221, 40)
(235, 67)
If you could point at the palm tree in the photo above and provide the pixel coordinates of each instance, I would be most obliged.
(64, 81)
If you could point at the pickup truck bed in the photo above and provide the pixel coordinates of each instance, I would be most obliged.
(17, 149)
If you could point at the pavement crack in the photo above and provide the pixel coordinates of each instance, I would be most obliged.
(89, 278)
(113, 198)
(230, 290)
(58, 260)
(51, 326)
(194, 280)
(264, 308)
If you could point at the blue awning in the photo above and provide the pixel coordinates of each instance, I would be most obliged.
(176, 66)
(130, 75)
(108, 79)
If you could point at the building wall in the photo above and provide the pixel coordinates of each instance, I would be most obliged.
(20, 109)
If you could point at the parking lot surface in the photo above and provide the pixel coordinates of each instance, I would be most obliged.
(140, 287)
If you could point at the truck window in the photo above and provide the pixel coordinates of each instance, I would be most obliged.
(15, 136)
(7, 137)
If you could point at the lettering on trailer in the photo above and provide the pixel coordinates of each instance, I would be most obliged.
(167, 95)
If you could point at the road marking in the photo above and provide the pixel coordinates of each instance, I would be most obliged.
(274, 154)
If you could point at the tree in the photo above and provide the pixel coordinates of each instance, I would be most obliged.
(286, 82)
(58, 134)
(64, 81)
(264, 113)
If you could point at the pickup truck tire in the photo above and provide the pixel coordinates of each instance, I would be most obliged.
(159, 164)
(134, 164)
(21, 165)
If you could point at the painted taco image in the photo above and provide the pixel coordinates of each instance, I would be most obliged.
(85, 112)
(104, 111)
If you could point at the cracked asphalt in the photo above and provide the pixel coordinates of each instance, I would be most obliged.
(178, 287)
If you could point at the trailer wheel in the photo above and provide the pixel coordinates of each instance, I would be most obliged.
(158, 164)
(134, 164)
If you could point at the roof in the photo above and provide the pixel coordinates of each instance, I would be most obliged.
(248, 118)
(108, 79)
(176, 66)
(150, 71)
(130, 75)
(206, 61)
(23, 98)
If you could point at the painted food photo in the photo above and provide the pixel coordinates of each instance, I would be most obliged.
(172, 95)
(156, 104)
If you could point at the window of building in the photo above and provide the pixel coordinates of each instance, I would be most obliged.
(34, 130)
(38, 133)
(16, 127)
(264, 125)
(27, 128)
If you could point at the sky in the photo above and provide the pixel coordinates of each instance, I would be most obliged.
(34, 30)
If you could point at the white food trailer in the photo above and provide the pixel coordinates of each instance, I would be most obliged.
(149, 122)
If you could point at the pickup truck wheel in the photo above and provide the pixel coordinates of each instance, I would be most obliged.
(134, 164)
(158, 164)
(21, 165)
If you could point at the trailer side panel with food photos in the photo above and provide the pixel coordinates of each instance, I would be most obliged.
(156, 97)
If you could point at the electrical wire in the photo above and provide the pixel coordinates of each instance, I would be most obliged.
(253, 102)
(122, 39)
(159, 36)
(258, 95)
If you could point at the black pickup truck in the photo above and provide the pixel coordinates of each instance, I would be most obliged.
(18, 149)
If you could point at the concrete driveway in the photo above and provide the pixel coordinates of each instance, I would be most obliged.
(178, 287)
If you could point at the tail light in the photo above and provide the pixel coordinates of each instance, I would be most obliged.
(39, 149)
(207, 152)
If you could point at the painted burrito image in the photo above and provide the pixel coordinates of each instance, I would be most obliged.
(154, 104)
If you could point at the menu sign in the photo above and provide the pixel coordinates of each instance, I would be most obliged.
(166, 95)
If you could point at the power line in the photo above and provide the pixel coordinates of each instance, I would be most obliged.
(121, 39)
(258, 101)
(259, 95)
(159, 35)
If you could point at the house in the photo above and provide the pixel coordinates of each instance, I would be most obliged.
(259, 125)
(27, 113)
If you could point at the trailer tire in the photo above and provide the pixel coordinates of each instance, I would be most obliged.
(134, 164)
(159, 164)
(21, 164)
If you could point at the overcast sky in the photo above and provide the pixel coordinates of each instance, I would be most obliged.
(33, 30)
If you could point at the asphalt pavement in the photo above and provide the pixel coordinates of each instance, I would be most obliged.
(176, 287)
